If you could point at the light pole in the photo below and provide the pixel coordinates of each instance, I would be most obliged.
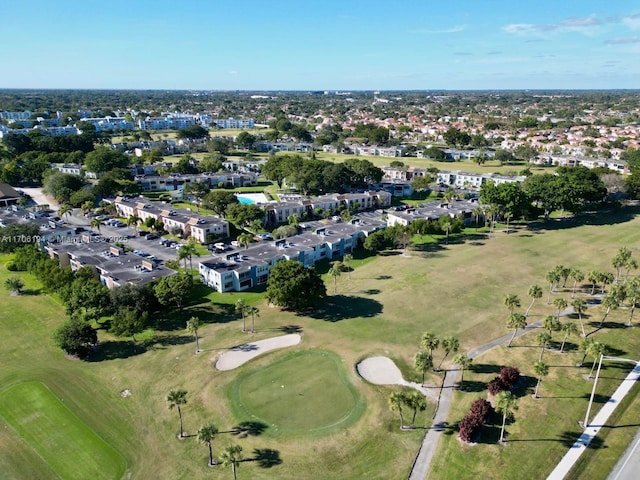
(593, 391)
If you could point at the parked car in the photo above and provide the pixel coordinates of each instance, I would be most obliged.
(152, 236)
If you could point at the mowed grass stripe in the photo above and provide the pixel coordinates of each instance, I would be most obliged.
(68, 445)
(304, 393)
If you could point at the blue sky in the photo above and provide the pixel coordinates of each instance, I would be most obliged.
(320, 45)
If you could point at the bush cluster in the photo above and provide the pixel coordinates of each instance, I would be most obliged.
(509, 376)
(470, 425)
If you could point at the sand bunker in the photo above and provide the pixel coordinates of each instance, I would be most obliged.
(243, 353)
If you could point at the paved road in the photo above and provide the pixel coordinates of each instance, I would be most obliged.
(628, 466)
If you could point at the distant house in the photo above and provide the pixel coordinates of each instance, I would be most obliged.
(8, 195)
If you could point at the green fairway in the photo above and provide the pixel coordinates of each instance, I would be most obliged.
(70, 448)
(306, 392)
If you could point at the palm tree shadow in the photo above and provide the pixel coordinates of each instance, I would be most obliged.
(266, 457)
(249, 428)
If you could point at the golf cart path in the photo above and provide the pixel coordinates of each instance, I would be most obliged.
(241, 354)
(383, 371)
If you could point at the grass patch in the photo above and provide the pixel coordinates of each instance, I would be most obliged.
(64, 442)
(305, 393)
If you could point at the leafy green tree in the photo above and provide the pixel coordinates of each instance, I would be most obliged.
(464, 362)
(231, 456)
(456, 137)
(60, 185)
(173, 289)
(219, 201)
(14, 285)
(535, 292)
(375, 242)
(76, 338)
(104, 159)
(542, 370)
(241, 214)
(206, 434)
(292, 286)
(516, 321)
(193, 324)
(241, 307)
(506, 403)
(176, 399)
(193, 132)
(127, 323)
(396, 402)
(423, 361)
(449, 344)
(245, 140)
(569, 328)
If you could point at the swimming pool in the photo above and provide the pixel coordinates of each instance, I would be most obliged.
(251, 198)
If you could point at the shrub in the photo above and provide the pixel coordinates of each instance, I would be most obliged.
(469, 427)
(482, 409)
(11, 266)
(496, 386)
(509, 376)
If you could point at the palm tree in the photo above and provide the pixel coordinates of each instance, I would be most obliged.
(564, 273)
(335, 271)
(423, 362)
(188, 251)
(516, 321)
(560, 303)
(606, 278)
(415, 401)
(95, 224)
(544, 340)
(346, 261)
(553, 278)
(593, 277)
(396, 401)
(430, 342)
(631, 264)
(206, 434)
(192, 326)
(446, 225)
(244, 239)
(542, 370)
(175, 399)
(508, 216)
(232, 455)
(134, 220)
(293, 220)
(507, 403)
(577, 276)
(241, 307)
(633, 294)
(512, 302)
(449, 344)
(64, 210)
(477, 213)
(551, 323)
(14, 284)
(620, 260)
(535, 292)
(254, 312)
(464, 362)
(611, 302)
(585, 347)
(568, 328)
(579, 306)
(596, 349)
(86, 206)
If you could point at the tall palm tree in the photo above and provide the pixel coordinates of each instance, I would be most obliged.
(241, 308)
(544, 340)
(65, 210)
(516, 321)
(335, 271)
(192, 326)
(633, 294)
(596, 349)
(464, 362)
(568, 328)
(187, 251)
(446, 224)
(430, 342)
(206, 434)
(611, 303)
(134, 220)
(564, 273)
(593, 277)
(512, 302)
(231, 456)
(577, 276)
(423, 362)
(553, 278)
(415, 401)
(396, 401)
(477, 213)
(508, 216)
(244, 239)
(551, 324)
(585, 347)
(176, 398)
(580, 306)
(560, 303)
(630, 264)
(542, 370)
(619, 261)
(606, 278)
(507, 403)
(95, 224)
(535, 292)
(86, 206)
(254, 312)
(346, 261)
(449, 344)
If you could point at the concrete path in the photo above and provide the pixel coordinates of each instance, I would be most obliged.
(578, 448)
(383, 371)
(241, 354)
(40, 198)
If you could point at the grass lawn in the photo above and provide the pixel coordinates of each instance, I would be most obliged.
(307, 392)
(389, 301)
(69, 447)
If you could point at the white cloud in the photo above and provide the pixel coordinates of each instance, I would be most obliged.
(585, 25)
(622, 41)
(426, 31)
(233, 72)
(632, 21)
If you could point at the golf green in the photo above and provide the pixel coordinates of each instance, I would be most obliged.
(70, 448)
(303, 393)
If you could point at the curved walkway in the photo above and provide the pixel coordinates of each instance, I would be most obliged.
(241, 354)
(383, 371)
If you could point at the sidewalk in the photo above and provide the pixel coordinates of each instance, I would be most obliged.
(578, 448)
